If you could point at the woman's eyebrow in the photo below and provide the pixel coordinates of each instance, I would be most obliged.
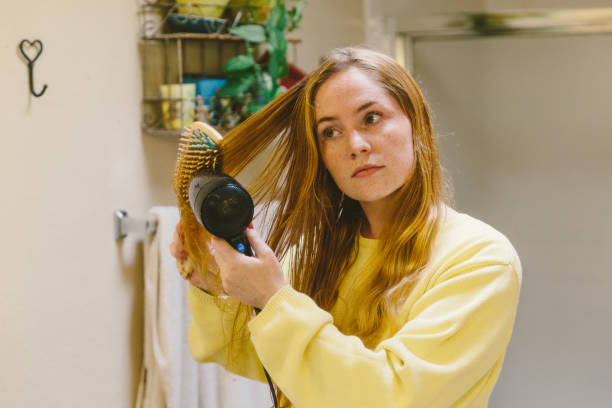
(324, 119)
(365, 106)
(359, 109)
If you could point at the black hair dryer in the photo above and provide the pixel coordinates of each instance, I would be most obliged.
(223, 207)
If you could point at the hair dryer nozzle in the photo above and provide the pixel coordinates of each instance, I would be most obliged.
(222, 206)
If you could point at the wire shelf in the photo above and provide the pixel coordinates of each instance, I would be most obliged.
(201, 36)
(168, 57)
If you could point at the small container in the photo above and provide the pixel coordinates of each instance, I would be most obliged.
(179, 107)
(151, 22)
(259, 10)
(202, 8)
(201, 111)
(205, 87)
(195, 24)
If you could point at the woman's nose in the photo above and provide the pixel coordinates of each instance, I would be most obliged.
(358, 144)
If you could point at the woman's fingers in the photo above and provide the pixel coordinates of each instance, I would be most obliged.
(196, 281)
(179, 231)
(257, 243)
(173, 250)
(251, 280)
(177, 248)
(220, 247)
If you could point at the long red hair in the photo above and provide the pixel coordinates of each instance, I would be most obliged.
(316, 221)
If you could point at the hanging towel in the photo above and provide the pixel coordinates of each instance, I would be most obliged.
(170, 378)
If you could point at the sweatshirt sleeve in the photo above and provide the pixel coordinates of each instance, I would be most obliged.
(210, 330)
(209, 335)
(456, 333)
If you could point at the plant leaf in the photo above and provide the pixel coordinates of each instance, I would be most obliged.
(283, 68)
(277, 19)
(255, 107)
(236, 86)
(278, 66)
(273, 67)
(277, 42)
(239, 63)
(295, 17)
(249, 32)
(277, 47)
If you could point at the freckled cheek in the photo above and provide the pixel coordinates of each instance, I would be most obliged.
(331, 165)
(332, 159)
(339, 174)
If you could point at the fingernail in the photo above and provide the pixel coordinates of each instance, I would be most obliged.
(250, 226)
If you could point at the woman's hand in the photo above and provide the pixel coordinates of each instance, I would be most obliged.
(177, 247)
(178, 250)
(251, 280)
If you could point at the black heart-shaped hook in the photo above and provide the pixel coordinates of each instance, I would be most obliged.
(31, 63)
(31, 44)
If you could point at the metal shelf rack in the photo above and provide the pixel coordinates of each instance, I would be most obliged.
(168, 56)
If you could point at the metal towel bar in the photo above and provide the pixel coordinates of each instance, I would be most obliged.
(125, 224)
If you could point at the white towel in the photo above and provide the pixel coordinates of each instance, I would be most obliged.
(170, 378)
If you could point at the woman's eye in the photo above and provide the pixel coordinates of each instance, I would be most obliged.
(329, 133)
(372, 117)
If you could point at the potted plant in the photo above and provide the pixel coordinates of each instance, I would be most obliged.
(250, 85)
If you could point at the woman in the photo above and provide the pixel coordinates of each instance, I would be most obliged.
(396, 300)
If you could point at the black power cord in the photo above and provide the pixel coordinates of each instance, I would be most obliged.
(272, 390)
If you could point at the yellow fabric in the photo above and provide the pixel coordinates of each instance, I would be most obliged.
(449, 352)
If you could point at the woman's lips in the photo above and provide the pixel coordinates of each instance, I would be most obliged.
(366, 171)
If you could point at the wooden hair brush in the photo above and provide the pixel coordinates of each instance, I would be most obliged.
(206, 195)
(198, 149)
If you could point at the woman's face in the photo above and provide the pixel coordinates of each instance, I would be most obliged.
(365, 136)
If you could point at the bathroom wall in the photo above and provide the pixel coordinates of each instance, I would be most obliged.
(524, 129)
(70, 296)
(525, 134)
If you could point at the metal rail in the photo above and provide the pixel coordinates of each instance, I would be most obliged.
(531, 23)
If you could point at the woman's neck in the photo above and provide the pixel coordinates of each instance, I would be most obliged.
(377, 214)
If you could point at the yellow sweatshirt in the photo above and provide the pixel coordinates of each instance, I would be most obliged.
(449, 352)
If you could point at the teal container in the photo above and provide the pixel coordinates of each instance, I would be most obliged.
(205, 87)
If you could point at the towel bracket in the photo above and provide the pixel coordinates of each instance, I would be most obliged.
(125, 224)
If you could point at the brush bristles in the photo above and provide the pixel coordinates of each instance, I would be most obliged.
(198, 149)
(190, 162)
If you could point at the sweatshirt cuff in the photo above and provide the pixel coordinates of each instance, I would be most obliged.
(199, 296)
(286, 303)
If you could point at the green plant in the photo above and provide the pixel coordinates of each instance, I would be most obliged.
(249, 86)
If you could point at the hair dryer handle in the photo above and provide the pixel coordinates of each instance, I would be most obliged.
(241, 244)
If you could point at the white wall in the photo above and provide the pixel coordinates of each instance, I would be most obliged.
(70, 296)
(526, 136)
(327, 25)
